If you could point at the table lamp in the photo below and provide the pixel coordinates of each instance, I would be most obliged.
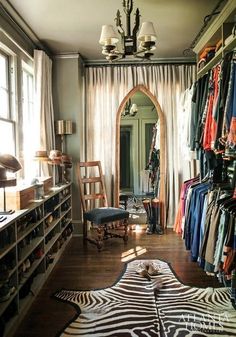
(63, 127)
(8, 163)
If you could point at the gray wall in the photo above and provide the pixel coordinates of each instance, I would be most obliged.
(68, 100)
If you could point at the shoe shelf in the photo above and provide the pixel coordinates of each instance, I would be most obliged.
(6, 249)
(49, 245)
(65, 198)
(31, 242)
(57, 254)
(26, 251)
(66, 223)
(23, 234)
(51, 226)
(66, 212)
(11, 273)
(28, 273)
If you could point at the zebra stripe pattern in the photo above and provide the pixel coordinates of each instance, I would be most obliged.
(135, 307)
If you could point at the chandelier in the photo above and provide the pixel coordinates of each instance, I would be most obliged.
(129, 41)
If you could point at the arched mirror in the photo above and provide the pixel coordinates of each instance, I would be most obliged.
(140, 148)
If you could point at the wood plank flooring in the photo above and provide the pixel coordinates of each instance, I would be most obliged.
(82, 267)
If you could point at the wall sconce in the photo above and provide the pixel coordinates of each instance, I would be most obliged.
(8, 163)
(130, 109)
(63, 127)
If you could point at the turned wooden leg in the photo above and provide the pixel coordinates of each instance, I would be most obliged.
(105, 232)
(99, 238)
(125, 238)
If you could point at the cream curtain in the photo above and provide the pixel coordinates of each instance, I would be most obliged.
(43, 102)
(106, 87)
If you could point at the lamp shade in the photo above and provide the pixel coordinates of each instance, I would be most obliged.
(64, 127)
(108, 36)
(147, 32)
(9, 162)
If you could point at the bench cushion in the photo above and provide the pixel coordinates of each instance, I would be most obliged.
(104, 215)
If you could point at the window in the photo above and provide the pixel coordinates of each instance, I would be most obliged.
(7, 124)
(28, 121)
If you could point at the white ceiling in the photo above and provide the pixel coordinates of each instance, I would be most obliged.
(67, 26)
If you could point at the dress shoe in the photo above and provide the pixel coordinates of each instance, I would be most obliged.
(152, 270)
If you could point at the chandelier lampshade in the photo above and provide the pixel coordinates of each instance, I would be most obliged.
(147, 32)
(108, 36)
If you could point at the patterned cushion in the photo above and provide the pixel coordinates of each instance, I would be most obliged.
(105, 214)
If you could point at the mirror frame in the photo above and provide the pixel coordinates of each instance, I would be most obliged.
(163, 155)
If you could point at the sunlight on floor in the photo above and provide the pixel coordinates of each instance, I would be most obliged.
(132, 253)
(137, 229)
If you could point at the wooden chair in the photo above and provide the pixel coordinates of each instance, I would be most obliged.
(109, 221)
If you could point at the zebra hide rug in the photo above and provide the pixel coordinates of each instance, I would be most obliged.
(135, 306)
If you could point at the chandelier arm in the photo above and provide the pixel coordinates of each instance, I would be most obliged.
(119, 23)
(113, 53)
(137, 22)
(128, 6)
(140, 52)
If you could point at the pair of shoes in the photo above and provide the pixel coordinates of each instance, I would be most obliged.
(154, 229)
(150, 228)
(147, 270)
(5, 292)
(159, 230)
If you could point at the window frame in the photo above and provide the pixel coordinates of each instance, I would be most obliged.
(8, 82)
(11, 115)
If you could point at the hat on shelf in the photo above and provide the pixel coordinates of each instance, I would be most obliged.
(9, 162)
(41, 155)
(66, 160)
(55, 157)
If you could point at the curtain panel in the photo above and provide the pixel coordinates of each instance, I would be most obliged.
(106, 86)
(43, 102)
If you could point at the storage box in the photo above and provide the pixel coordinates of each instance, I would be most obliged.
(18, 197)
(47, 184)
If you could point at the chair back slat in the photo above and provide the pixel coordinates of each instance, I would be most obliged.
(93, 196)
(91, 180)
(92, 186)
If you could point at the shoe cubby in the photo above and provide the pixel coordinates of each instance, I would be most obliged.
(31, 242)
(7, 239)
(52, 237)
(52, 204)
(8, 265)
(27, 245)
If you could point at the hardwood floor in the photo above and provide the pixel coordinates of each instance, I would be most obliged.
(84, 268)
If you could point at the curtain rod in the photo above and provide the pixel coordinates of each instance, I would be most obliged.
(136, 64)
